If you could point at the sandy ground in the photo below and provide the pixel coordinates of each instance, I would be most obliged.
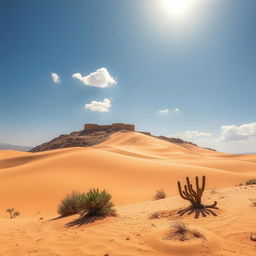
(131, 166)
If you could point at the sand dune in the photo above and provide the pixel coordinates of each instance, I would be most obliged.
(132, 232)
(131, 166)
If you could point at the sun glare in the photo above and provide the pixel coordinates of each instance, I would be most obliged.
(177, 7)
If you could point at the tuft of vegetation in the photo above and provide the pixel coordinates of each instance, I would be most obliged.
(13, 214)
(96, 203)
(253, 200)
(160, 194)
(250, 182)
(180, 231)
(70, 204)
(194, 196)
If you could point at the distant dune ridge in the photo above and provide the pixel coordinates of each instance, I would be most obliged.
(14, 147)
(131, 166)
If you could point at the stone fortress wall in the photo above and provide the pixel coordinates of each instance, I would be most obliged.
(109, 128)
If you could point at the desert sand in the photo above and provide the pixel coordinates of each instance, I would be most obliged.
(131, 166)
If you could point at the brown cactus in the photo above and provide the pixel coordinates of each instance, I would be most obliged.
(195, 198)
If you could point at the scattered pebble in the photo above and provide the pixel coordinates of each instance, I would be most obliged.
(253, 237)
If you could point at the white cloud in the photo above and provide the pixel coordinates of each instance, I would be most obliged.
(164, 111)
(55, 78)
(99, 106)
(242, 132)
(193, 135)
(232, 138)
(100, 78)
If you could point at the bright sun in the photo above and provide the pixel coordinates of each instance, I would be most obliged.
(177, 7)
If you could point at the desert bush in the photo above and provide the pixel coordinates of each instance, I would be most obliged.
(70, 204)
(180, 231)
(96, 203)
(250, 182)
(160, 194)
(12, 213)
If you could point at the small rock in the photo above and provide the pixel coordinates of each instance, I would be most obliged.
(253, 237)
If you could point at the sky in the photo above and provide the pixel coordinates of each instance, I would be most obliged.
(185, 71)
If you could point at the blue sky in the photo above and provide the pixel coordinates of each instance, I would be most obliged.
(198, 66)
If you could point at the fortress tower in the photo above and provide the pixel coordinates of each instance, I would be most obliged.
(109, 128)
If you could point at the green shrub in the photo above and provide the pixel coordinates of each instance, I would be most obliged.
(250, 182)
(70, 204)
(96, 203)
(12, 213)
(160, 194)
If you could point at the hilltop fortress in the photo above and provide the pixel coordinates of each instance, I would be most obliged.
(108, 128)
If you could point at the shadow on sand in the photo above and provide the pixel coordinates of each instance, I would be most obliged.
(83, 220)
(202, 210)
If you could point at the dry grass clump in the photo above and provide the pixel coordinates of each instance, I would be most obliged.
(70, 204)
(250, 182)
(160, 194)
(12, 213)
(181, 232)
(96, 203)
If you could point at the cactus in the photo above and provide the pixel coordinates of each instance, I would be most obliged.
(194, 196)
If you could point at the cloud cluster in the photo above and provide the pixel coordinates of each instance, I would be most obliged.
(242, 132)
(99, 106)
(55, 78)
(164, 111)
(232, 138)
(193, 135)
(100, 78)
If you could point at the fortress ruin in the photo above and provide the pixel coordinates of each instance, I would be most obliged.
(108, 128)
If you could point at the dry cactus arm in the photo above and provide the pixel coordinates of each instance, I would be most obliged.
(195, 196)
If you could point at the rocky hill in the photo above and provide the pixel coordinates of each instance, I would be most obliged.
(74, 139)
(85, 139)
